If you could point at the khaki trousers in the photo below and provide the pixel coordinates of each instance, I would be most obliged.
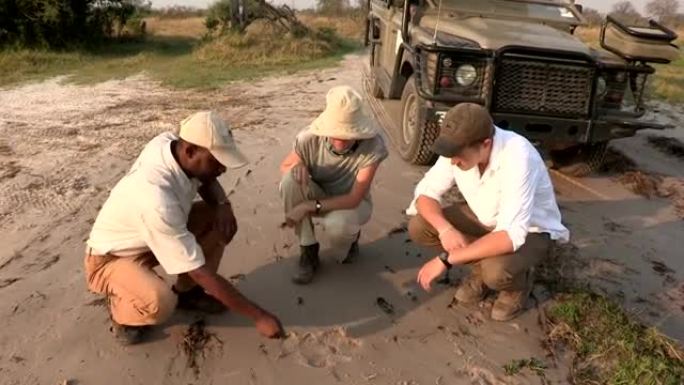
(502, 273)
(136, 294)
(341, 226)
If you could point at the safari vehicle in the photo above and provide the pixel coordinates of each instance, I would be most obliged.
(521, 60)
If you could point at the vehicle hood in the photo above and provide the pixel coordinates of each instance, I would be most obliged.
(493, 34)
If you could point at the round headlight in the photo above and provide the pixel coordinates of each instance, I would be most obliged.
(601, 86)
(466, 75)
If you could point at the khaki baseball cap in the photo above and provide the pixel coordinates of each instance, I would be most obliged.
(207, 129)
(463, 125)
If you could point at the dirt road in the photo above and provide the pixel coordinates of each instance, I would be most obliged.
(62, 147)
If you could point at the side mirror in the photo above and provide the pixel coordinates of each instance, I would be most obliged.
(580, 8)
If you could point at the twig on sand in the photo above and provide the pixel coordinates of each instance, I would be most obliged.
(195, 341)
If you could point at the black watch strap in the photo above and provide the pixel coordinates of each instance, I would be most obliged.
(444, 257)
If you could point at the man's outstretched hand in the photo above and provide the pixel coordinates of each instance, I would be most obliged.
(269, 326)
(429, 272)
(297, 214)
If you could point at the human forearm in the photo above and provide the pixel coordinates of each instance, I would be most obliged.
(491, 245)
(340, 202)
(431, 210)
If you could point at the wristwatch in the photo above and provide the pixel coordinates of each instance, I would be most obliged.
(318, 206)
(444, 257)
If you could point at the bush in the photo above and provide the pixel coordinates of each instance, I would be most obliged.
(219, 14)
(177, 12)
(262, 44)
(62, 23)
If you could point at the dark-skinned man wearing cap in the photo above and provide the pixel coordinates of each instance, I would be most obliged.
(150, 218)
(508, 222)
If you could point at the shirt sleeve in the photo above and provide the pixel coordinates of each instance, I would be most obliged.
(437, 181)
(165, 231)
(302, 146)
(519, 181)
(378, 153)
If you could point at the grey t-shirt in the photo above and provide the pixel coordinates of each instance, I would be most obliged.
(335, 173)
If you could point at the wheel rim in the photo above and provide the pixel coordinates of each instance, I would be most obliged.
(410, 119)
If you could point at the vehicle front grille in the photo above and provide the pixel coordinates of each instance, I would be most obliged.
(525, 85)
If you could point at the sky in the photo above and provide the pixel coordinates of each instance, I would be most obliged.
(601, 5)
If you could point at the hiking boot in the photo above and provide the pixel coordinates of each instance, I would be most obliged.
(308, 264)
(127, 335)
(472, 290)
(353, 252)
(509, 304)
(197, 299)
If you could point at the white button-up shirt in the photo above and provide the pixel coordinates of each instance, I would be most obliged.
(514, 193)
(148, 211)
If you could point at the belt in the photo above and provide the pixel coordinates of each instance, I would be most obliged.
(92, 251)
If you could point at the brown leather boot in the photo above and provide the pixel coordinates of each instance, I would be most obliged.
(472, 289)
(353, 252)
(127, 335)
(197, 299)
(308, 264)
(509, 304)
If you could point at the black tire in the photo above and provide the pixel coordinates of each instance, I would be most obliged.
(416, 134)
(580, 161)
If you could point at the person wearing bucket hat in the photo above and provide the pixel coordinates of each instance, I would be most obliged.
(328, 175)
(508, 221)
(150, 219)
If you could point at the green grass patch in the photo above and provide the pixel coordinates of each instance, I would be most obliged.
(669, 81)
(182, 62)
(610, 347)
(534, 364)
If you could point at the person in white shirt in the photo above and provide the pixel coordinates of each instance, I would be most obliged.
(509, 221)
(150, 219)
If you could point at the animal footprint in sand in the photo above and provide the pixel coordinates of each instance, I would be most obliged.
(323, 349)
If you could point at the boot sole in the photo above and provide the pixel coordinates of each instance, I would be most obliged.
(469, 301)
(506, 317)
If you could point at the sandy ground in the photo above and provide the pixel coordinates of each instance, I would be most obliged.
(62, 147)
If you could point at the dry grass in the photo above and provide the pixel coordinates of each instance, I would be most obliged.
(347, 26)
(589, 35)
(264, 45)
(668, 83)
(185, 27)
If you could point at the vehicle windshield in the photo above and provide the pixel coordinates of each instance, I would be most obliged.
(546, 10)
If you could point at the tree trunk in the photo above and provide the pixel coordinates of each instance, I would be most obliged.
(235, 15)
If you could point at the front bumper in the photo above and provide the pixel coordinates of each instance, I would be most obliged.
(552, 132)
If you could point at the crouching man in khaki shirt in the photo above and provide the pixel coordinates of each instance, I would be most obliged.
(508, 221)
(150, 219)
(328, 175)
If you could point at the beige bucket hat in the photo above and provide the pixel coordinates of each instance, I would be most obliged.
(343, 117)
(207, 129)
